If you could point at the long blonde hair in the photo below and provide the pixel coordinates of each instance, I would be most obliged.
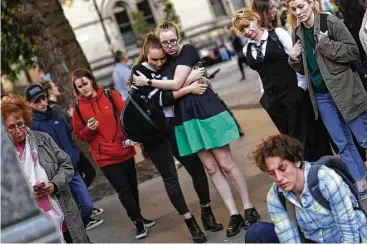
(292, 19)
(168, 25)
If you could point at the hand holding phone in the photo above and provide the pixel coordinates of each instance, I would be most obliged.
(92, 123)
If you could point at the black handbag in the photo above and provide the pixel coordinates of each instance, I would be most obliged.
(141, 120)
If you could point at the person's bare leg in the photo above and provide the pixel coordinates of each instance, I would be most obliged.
(223, 156)
(219, 180)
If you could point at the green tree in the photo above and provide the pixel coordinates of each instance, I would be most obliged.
(140, 26)
(171, 14)
(41, 27)
(16, 47)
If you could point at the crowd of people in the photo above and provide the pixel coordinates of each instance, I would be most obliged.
(312, 75)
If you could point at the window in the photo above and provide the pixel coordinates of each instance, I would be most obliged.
(238, 4)
(123, 21)
(144, 7)
(218, 8)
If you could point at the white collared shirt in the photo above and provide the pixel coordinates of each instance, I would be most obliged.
(286, 41)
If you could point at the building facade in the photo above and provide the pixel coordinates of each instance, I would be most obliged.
(102, 26)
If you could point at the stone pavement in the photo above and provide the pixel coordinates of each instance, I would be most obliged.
(170, 227)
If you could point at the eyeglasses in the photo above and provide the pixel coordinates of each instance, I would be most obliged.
(238, 15)
(19, 125)
(40, 98)
(173, 42)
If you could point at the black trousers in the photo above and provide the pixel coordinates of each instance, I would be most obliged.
(160, 152)
(241, 62)
(122, 177)
(286, 109)
(86, 170)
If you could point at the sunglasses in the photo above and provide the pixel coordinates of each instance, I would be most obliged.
(171, 42)
(238, 15)
(40, 98)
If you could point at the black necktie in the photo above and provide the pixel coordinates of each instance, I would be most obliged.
(258, 48)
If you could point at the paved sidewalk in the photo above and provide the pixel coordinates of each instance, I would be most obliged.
(170, 227)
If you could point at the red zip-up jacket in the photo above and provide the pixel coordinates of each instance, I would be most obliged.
(105, 142)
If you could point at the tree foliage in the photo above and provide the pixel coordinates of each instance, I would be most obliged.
(171, 13)
(140, 26)
(16, 47)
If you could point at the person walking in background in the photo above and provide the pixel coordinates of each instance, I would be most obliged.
(337, 93)
(203, 126)
(84, 166)
(238, 44)
(45, 119)
(47, 168)
(121, 73)
(96, 120)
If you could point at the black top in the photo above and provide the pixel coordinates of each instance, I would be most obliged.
(274, 70)
(188, 56)
(142, 92)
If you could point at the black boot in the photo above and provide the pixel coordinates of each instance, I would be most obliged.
(235, 225)
(251, 216)
(197, 235)
(208, 219)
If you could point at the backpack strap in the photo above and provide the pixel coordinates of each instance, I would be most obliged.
(314, 187)
(273, 35)
(323, 22)
(108, 94)
(77, 110)
(291, 210)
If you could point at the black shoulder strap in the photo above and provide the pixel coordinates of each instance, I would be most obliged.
(273, 35)
(313, 186)
(323, 22)
(108, 94)
(77, 110)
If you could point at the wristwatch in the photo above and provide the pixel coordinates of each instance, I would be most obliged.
(150, 83)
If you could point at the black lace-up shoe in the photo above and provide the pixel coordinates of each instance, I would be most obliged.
(251, 216)
(235, 224)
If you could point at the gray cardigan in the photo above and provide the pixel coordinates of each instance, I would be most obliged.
(334, 53)
(59, 170)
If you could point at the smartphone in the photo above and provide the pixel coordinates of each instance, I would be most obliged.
(91, 121)
(39, 187)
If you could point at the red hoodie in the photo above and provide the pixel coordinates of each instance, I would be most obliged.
(105, 142)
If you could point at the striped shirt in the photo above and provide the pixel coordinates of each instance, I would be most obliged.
(342, 224)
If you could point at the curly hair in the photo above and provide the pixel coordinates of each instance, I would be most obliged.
(279, 145)
(18, 107)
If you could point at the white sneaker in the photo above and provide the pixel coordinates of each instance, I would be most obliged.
(96, 211)
(93, 223)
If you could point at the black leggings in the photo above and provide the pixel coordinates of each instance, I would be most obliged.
(122, 177)
(86, 169)
(160, 152)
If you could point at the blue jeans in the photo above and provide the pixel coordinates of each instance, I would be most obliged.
(341, 133)
(81, 195)
(261, 232)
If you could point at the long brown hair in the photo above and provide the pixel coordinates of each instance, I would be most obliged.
(80, 73)
(263, 7)
(151, 41)
(168, 25)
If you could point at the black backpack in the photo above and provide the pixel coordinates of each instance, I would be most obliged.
(141, 120)
(341, 169)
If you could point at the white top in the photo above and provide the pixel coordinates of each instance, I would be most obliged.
(286, 40)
